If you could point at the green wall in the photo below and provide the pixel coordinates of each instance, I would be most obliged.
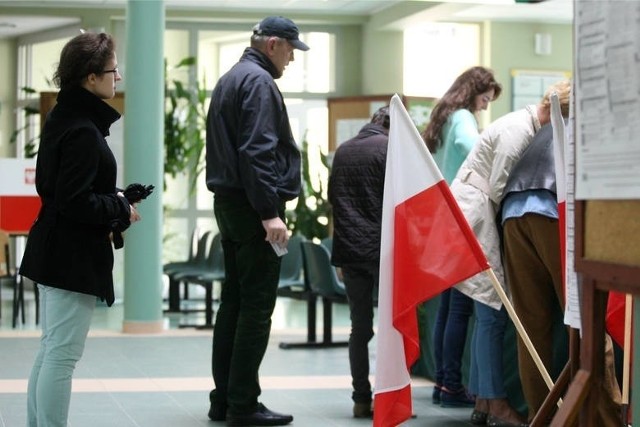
(512, 47)
(382, 65)
(8, 60)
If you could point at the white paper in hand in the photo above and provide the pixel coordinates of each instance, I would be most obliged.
(279, 249)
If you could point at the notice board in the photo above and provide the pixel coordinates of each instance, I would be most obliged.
(347, 115)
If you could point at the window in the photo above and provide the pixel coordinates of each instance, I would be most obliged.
(310, 72)
(429, 66)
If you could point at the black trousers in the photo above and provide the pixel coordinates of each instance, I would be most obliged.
(248, 297)
(360, 282)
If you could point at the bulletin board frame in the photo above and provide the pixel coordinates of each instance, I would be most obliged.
(528, 86)
(608, 243)
(348, 114)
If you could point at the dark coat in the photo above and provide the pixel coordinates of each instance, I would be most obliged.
(250, 148)
(356, 188)
(536, 168)
(68, 245)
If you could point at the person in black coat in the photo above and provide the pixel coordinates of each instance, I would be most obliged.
(68, 251)
(253, 168)
(356, 188)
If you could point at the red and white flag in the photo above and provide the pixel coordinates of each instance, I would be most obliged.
(426, 247)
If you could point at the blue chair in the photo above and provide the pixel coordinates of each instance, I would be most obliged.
(323, 281)
(210, 271)
(291, 282)
(195, 259)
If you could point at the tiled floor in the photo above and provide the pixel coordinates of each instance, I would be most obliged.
(163, 380)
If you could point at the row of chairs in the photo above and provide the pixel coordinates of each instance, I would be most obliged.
(306, 274)
(204, 266)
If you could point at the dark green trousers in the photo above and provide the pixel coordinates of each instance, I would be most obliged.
(248, 297)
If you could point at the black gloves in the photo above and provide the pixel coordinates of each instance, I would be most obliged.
(136, 192)
(133, 193)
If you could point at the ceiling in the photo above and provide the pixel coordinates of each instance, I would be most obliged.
(547, 11)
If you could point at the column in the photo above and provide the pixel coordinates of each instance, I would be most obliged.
(143, 159)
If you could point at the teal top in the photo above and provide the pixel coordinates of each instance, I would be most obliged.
(459, 134)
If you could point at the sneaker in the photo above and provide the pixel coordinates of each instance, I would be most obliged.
(435, 396)
(362, 410)
(458, 399)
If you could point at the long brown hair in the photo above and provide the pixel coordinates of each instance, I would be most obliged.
(461, 94)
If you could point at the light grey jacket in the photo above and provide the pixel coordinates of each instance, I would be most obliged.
(478, 189)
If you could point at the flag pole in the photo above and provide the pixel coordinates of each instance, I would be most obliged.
(523, 334)
(628, 309)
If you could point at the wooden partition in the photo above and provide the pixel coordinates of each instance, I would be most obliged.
(607, 214)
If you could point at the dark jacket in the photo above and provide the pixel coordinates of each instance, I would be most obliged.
(68, 245)
(536, 168)
(250, 148)
(356, 188)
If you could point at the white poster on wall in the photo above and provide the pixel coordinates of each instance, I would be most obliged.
(608, 100)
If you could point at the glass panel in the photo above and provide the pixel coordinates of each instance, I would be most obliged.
(207, 223)
(176, 48)
(176, 239)
(177, 194)
(230, 53)
(204, 197)
(310, 71)
(435, 42)
(217, 52)
(319, 62)
(45, 57)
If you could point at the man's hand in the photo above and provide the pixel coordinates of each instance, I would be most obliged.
(276, 231)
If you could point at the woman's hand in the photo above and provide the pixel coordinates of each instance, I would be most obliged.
(134, 216)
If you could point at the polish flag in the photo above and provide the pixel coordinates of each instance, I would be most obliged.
(426, 247)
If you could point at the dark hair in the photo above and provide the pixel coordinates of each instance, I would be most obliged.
(461, 94)
(82, 55)
(381, 117)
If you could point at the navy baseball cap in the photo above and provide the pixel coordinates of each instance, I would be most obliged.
(280, 27)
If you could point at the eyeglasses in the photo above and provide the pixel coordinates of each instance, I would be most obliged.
(114, 71)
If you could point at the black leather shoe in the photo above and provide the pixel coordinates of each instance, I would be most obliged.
(217, 412)
(478, 418)
(261, 417)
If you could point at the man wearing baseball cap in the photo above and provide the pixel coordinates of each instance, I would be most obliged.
(253, 168)
(280, 27)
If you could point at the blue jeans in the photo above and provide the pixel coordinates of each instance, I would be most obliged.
(450, 336)
(65, 318)
(487, 380)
